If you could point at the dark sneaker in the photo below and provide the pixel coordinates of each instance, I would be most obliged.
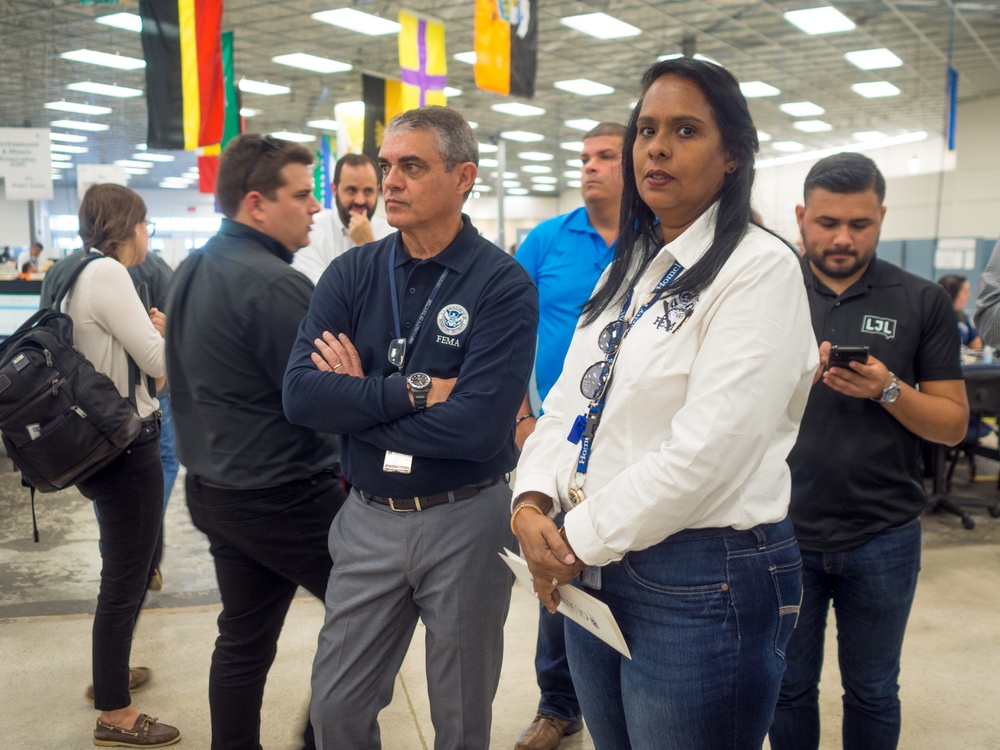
(146, 733)
(137, 677)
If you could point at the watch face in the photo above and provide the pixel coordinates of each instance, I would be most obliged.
(419, 381)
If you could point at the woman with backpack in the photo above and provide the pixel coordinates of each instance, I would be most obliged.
(110, 326)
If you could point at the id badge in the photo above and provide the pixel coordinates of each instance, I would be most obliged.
(591, 577)
(397, 463)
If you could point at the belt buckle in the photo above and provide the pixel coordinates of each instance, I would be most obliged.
(416, 502)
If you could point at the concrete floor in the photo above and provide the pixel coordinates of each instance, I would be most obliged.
(949, 678)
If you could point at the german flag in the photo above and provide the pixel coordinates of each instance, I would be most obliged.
(184, 82)
(208, 157)
(383, 101)
(506, 46)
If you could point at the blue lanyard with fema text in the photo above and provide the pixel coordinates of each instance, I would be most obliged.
(593, 417)
(395, 301)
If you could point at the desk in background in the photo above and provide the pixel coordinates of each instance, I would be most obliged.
(18, 301)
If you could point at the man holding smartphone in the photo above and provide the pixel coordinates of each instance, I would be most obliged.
(857, 492)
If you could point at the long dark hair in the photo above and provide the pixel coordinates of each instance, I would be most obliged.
(639, 236)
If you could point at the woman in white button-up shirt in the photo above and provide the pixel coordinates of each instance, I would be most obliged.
(676, 508)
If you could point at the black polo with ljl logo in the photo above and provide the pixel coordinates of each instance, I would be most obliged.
(855, 468)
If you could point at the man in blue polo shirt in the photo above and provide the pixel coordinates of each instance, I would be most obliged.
(417, 349)
(565, 256)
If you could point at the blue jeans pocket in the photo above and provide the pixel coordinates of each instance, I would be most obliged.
(787, 581)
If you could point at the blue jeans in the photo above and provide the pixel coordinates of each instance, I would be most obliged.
(168, 457)
(707, 614)
(552, 667)
(871, 588)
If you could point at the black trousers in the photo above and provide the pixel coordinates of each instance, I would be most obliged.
(128, 494)
(265, 543)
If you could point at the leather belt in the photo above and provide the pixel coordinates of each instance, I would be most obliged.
(423, 502)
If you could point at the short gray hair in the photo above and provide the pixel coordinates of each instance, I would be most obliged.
(456, 143)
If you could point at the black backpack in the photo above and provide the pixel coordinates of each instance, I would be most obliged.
(61, 420)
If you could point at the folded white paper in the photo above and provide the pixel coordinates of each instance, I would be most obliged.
(579, 606)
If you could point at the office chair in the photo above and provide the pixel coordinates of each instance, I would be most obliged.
(982, 385)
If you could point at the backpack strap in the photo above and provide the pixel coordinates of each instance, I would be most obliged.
(71, 279)
(134, 374)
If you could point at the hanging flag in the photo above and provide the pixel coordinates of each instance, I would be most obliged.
(383, 100)
(506, 46)
(422, 60)
(326, 157)
(952, 106)
(184, 89)
(208, 158)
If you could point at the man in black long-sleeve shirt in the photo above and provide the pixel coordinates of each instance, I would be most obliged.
(264, 491)
(417, 349)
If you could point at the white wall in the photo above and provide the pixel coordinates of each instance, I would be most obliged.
(969, 192)
(14, 224)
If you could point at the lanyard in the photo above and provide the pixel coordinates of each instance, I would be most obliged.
(593, 418)
(395, 301)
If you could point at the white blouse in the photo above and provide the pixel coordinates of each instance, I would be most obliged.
(699, 418)
(109, 320)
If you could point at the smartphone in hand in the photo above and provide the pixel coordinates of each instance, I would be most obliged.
(842, 356)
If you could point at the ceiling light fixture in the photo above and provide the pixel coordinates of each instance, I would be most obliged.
(573, 174)
(545, 179)
(778, 161)
(600, 25)
(522, 135)
(869, 135)
(94, 127)
(875, 89)
(536, 168)
(312, 62)
(757, 89)
(825, 20)
(119, 62)
(146, 156)
(127, 21)
(286, 135)
(584, 87)
(469, 58)
(489, 163)
(248, 112)
(802, 109)
(544, 188)
(572, 145)
(488, 148)
(787, 146)
(581, 124)
(812, 126)
(575, 163)
(355, 20)
(68, 137)
(517, 109)
(136, 170)
(536, 156)
(61, 149)
(324, 124)
(61, 157)
(80, 109)
(450, 92)
(134, 163)
(763, 137)
(873, 59)
(355, 108)
(262, 87)
(104, 89)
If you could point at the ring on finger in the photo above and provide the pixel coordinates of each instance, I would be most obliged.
(555, 582)
(338, 365)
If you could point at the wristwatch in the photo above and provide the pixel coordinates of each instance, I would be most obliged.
(891, 392)
(419, 384)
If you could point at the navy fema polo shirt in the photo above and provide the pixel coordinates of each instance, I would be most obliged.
(480, 329)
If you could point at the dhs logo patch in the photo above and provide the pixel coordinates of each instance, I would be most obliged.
(879, 326)
(453, 319)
